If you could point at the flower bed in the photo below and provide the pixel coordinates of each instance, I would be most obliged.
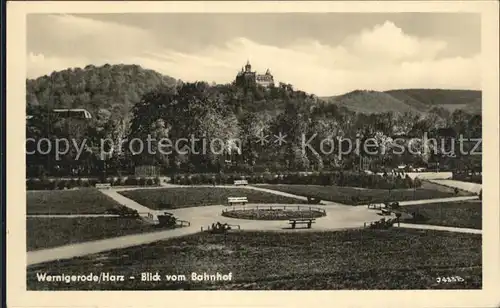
(274, 213)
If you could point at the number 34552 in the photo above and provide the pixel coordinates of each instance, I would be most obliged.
(449, 279)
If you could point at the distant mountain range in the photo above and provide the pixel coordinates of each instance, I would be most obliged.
(116, 88)
(409, 100)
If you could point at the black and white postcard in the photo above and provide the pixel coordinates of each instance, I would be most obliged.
(264, 146)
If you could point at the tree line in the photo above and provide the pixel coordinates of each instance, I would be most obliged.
(131, 103)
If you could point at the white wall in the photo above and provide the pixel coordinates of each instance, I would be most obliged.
(429, 175)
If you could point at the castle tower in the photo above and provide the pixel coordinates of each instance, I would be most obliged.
(249, 79)
(248, 67)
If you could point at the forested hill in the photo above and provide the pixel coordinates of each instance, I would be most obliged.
(467, 100)
(128, 102)
(409, 100)
(112, 89)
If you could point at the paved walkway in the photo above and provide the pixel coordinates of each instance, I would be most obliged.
(439, 228)
(93, 247)
(338, 216)
(113, 193)
(438, 200)
(71, 215)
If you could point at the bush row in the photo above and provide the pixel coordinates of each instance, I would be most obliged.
(123, 211)
(51, 184)
(476, 178)
(327, 179)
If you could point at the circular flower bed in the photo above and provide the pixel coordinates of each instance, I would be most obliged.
(274, 213)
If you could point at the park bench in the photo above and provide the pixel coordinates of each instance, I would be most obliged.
(166, 219)
(302, 221)
(313, 200)
(237, 200)
(382, 224)
(386, 212)
(240, 182)
(376, 206)
(103, 185)
(393, 205)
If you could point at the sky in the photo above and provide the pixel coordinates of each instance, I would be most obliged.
(321, 53)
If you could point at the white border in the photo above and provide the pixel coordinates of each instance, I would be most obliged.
(17, 295)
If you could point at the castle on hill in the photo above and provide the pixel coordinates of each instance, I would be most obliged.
(247, 78)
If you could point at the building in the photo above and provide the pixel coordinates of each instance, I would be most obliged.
(68, 113)
(73, 113)
(247, 78)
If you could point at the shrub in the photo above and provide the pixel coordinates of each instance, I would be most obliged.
(142, 181)
(85, 182)
(417, 182)
(72, 183)
(204, 179)
(123, 211)
(33, 184)
(196, 179)
(230, 179)
(120, 181)
(130, 181)
(61, 184)
(337, 178)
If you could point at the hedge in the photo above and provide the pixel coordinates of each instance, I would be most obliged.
(474, 178)
(351, 179)
(52, 184)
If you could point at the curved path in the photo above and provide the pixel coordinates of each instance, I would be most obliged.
(338, 216)
(439, 228)
(93, 247)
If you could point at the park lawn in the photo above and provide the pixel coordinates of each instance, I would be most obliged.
(81, 201)
(351, 259)
(52, 232)
(435, 186)
(463, 214)
(172, 198)
(344, 195)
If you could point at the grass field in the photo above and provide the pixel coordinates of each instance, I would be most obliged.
(81, 201)
(465, 214)
(353, 259)
(51, 232)
(447, 189)
(345, 195)
(171, 198)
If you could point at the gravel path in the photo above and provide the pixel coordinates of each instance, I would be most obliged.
(439, 228)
